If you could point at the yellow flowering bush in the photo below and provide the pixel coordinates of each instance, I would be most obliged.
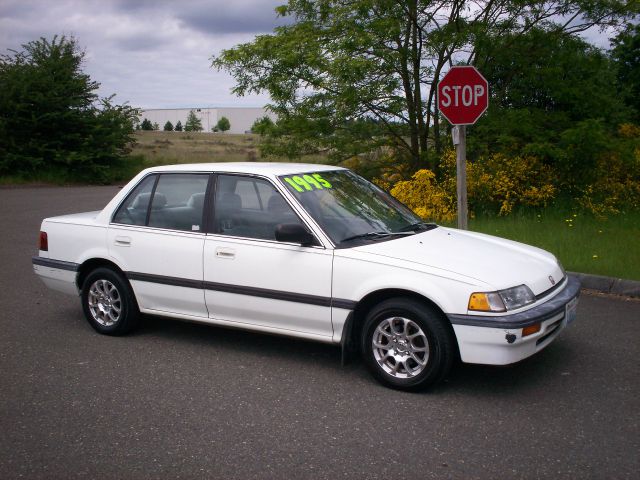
(494, 184)
(425, 197)
(616, 188)
(502, 182)
(629, 130)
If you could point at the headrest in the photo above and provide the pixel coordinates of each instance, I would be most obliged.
(230, 202)
(159, 201)
(142, 201)
(196, 201)
(277, 204)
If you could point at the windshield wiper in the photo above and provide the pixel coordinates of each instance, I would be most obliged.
(418, 225)
(373, 235)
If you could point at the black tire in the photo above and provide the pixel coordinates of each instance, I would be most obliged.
(407, 345)
(108, 302)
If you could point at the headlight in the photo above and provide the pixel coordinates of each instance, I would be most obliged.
(502, 300)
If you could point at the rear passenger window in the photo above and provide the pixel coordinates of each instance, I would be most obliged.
(249, 207)
(133, 210)
(178, 202)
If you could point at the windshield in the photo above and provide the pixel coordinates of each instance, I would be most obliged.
(348, 207)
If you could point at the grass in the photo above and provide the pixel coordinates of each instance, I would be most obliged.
(164, 148)
(582, 243)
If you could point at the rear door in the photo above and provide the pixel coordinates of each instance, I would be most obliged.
(157, 237)
(249, 277)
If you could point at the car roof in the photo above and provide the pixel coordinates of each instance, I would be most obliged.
(260, 168)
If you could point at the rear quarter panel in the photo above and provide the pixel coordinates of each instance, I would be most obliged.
(75, 243)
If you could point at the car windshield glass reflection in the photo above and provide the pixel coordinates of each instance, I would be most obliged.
(349, 208)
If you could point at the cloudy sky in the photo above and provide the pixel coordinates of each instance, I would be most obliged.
(152, 53)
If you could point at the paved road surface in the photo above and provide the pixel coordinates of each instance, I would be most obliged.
(179, 400)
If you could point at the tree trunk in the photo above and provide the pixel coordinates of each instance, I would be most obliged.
(416, 54)
(414, 134)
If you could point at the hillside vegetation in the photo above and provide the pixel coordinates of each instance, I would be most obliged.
(162, 148)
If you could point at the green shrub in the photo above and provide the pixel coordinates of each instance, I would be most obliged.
(52, 122)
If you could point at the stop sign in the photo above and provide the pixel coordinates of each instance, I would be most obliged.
(463, 95)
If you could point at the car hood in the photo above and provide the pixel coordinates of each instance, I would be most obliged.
(492, 260)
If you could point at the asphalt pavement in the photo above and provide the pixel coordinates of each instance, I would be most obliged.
(181, 400)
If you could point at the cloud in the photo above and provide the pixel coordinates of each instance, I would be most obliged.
(9, 9)
(151, 53)
(234, 18)
(212, 17)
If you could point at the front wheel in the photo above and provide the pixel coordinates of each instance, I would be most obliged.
(108, 302)
(407, 345)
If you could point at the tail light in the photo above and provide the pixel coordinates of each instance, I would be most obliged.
(44, 242)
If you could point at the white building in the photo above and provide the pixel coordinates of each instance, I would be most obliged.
(241, 118)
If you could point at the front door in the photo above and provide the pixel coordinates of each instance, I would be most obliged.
(249, 277)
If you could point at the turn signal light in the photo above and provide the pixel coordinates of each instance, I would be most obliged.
(486, 302)
(43, 244)
(478, 301)
(531, 329)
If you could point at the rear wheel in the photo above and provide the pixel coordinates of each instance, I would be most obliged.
(108, 302)
(407, 345)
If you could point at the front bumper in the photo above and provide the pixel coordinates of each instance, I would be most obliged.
(498, 340)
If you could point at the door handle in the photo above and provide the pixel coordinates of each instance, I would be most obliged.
(123, 241)
(225, 253)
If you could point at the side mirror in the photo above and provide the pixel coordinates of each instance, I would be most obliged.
(294, 233)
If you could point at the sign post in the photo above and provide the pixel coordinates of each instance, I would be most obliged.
(461, 177)
(463, 96)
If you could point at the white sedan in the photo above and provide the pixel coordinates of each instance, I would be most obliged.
(309, 251)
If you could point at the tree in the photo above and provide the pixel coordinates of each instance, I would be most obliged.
(178, 126)
(193, 123)
(156, 126)
(553, 72)
(346, 76)
(262, 126)
(168, 127)
(543, 83)
(555, 97)
(223, 124)
(146, 125)
(51, 119)
(626, 54)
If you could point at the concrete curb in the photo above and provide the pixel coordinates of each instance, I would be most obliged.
(615, 286)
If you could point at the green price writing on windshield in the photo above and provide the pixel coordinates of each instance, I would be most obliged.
(306, 183)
